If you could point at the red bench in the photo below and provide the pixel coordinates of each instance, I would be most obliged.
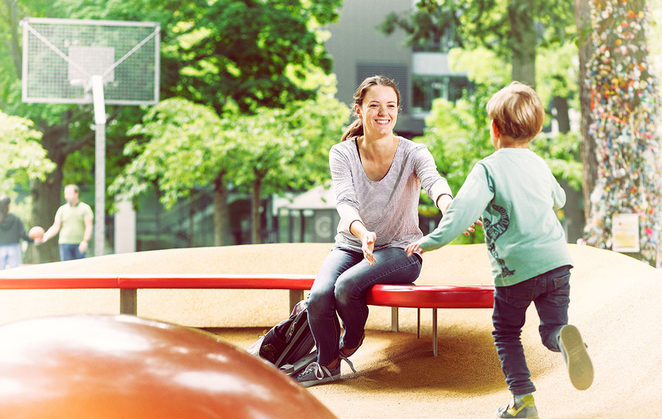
(429, 296)
(394, 296)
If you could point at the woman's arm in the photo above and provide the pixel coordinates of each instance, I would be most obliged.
(367, 238)
(471, 201)
(431, 181)
(347, 203)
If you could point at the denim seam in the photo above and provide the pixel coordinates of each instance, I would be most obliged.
(391, 272)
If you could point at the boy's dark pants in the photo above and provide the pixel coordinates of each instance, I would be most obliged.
(550, 293)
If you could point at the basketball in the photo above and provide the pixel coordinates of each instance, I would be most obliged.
(36, 232)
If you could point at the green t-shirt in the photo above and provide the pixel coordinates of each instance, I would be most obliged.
(515, 192)
(72, 219)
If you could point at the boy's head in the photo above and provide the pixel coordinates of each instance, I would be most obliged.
(516, 113)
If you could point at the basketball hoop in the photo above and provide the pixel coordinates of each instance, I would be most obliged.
(94, 62)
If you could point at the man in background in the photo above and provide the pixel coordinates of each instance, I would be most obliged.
(74, 222)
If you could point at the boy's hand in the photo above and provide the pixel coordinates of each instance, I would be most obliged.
(472, 228)
(413, 247)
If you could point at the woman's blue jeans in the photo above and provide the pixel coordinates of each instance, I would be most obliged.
(550, 292)
(341, 285)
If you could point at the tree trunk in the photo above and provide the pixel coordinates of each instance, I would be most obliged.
(589, 160)
(522, 41)
(627, 149)
(221, 210)
(562, 113)
(574, 215)
(46, 198)
(190, 239)
(12, 15)
(255, 209)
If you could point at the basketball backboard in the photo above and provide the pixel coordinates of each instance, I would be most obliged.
(60, 56)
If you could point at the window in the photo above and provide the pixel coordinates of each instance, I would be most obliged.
(428, 88)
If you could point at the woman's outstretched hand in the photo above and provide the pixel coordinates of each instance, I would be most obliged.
(368, 246)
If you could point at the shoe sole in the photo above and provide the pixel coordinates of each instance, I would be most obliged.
(580, 367)
(322, 381)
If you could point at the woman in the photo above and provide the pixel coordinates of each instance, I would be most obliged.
(377, 177)
(12, 231)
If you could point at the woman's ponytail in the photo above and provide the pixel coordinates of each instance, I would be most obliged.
(355, 129)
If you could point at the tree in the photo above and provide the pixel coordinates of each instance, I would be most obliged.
(513, 29)
(286, 149)
(516, 31)
(495, 42)
(25, 160)
(181, 147)
(250, 53)
(589, 161)
(623, 114)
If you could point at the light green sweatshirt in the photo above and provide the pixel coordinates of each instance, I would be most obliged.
(515, 193)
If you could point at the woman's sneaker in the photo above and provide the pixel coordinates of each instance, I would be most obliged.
(580, 367)
(524, 408)
(317, 374)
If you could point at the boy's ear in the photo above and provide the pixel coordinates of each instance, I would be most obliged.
(495, 129)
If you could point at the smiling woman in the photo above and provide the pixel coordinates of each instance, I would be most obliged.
(377, 177)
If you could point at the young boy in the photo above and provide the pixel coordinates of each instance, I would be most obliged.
(515, 193)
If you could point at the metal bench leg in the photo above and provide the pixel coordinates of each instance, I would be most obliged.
(418, 323)
(394, 319)
(295, 297)
(434, 331)
(129, 301)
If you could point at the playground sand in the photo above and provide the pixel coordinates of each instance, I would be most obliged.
(614, 303)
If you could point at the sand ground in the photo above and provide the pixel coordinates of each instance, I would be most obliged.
(614, 303)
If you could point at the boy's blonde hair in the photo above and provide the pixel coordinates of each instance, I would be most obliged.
(517, 111)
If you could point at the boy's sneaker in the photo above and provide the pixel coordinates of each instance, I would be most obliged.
(525, 408)
(317, 374)
(580, 367)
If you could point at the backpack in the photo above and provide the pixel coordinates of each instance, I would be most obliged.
(288, 345)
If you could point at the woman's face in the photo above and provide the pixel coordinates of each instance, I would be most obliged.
(379, 111)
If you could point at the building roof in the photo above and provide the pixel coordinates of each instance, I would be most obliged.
(320, 197)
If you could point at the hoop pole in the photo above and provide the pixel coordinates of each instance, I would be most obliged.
(99, 165)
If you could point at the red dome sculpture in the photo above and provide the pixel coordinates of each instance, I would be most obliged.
(105, 366)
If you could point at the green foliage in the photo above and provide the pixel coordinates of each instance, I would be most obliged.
(458, 133)
(24, 159)
(458, 136)
(557, 73)
(561, 152)
(181, 146)
(235, 56)
(478, 23)
(218, 51)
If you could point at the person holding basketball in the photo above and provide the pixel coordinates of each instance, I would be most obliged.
(12, 231)
(74, 222)
(515, 192)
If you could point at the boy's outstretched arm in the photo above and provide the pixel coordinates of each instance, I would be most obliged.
(466, 208)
